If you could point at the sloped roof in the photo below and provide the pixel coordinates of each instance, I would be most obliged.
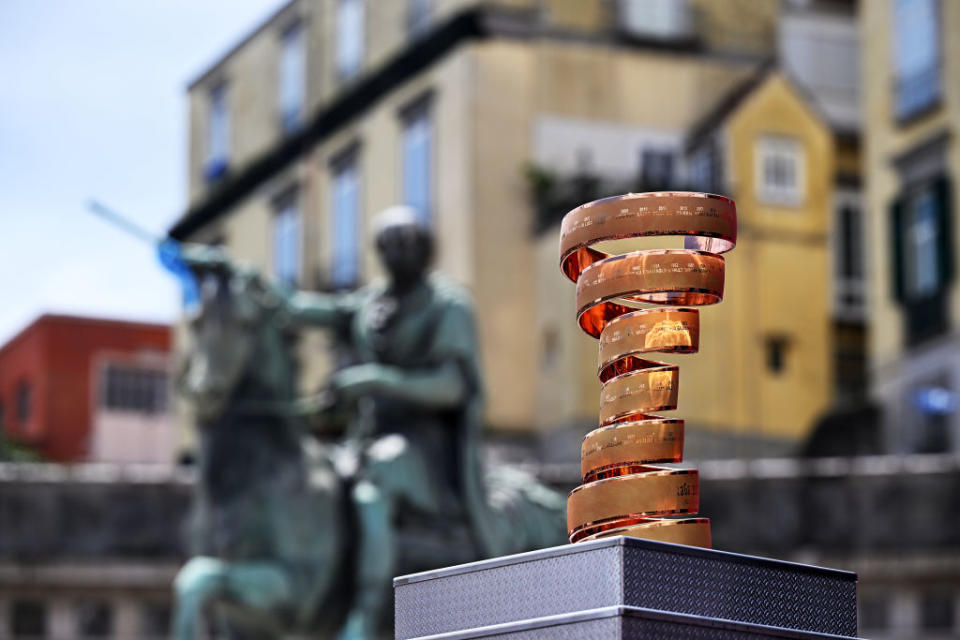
(714, 118)
(702, 129)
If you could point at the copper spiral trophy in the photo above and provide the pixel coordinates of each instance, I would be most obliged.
(638, 301)
(624, 491)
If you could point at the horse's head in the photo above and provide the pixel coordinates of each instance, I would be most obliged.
(229, 341)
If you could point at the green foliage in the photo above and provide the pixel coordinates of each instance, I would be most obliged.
(552, 196)
(11, 451)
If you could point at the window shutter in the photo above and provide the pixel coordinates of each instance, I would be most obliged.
(942, 194)
(896, 247)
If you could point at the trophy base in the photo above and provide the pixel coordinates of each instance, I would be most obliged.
(626, 588)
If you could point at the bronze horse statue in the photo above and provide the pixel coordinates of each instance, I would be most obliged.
(266, 527)
(277, 529)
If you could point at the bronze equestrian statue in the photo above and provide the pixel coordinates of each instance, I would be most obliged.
(282, 522)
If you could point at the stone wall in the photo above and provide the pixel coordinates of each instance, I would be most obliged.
(109, 538)
(86, 512)
(774, 507)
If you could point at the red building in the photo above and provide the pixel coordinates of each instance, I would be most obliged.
(79, 389)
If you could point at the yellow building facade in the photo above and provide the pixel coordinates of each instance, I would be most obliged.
(772, 335)
(766, 370)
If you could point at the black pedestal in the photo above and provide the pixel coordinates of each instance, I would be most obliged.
(627, 588)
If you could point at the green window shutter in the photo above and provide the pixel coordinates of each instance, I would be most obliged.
(896, 247)
(943, 196)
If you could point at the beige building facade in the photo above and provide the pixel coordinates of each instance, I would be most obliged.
(452, 106)
(502, 85)
(912, 164)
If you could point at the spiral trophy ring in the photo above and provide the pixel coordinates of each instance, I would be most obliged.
(623, 490)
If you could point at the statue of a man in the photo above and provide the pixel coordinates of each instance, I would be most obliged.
(417, 391)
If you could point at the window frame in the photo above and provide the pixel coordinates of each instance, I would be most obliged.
(650, 153)
(217, 157)
(94, 618)
(921, 278)
(419, 111)
(123, 384)
(849, 289)
(287, 205)
(348, 66)
(929, 609)
(341, 277)
(906, 85)
(292, 115)
(926, 315)
(772, 146)
(874, 611)
(24, 404)
(701, 170)
(777, 349)
(656, 20)
(419, 17)
(154, 618)
(23, 610)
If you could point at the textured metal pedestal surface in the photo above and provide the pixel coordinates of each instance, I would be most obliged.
(627, 588)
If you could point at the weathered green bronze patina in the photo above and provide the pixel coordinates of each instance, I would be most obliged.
(279, 530)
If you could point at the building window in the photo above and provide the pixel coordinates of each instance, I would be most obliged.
(293, 62)
(923, 257)
(660, 19)
(218, 132)
(155, 620)
(417, 164)
(656, 169)
(94, 620)
(286, 240)
(849, 287)
(418, 16)
(776, 347)
(936, 612)
(874, 613)
(350, 37)
(551, 348)
(780, 178)
(136, 389)
(345, 205)
(916, 50)
(24, 404)
(703, 170)
(28, 619)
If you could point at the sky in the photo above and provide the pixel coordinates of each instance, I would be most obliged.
(93, 105)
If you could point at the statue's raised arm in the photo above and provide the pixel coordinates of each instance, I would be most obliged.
(332, 310)
(202, 258)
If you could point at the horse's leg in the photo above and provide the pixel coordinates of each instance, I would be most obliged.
(197, 583)
(255, 587)
(394, 471)
(259, 587)
(375, 561)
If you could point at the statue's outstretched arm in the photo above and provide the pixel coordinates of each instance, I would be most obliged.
(302, 307)
(321, 309)
(439, 387)
(204, 257)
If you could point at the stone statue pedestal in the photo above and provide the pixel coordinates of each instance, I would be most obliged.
(626, 588)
